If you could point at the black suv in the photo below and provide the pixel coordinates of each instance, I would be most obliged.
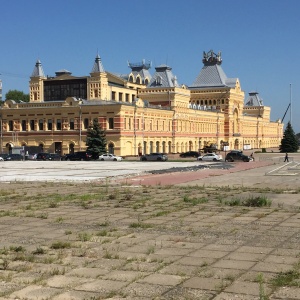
(14, 157)
(79, 155)
(189, 154)
(237, 155)
(48, 156)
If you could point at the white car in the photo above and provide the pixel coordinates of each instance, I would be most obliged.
(1, 158)
(109, 156)
(210, 157)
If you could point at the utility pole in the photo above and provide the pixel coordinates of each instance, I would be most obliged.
(291, 103)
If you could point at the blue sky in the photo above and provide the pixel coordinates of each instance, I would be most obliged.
(259, 41)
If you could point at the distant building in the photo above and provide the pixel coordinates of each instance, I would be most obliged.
(140, 112)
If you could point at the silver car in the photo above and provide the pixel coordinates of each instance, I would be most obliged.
(154, 156)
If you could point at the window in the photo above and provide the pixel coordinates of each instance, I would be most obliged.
(31, 122)
(132, 98)
(120, 96)
(86, 123)
(127, 97)
(113, 95)
(10, 125)
(129, 123)
(110, 123)
(72, 126)
(130, 78)
(58, 124)
(158, 80)
(49, 124)
(125, 123)
(41, 124)
(96, 93)
(23, 124)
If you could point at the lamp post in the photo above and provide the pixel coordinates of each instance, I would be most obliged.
(80, 135)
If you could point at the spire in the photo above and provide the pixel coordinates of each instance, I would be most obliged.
(38, 70)
(98, 67)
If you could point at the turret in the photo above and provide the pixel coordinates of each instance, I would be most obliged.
(36, 83)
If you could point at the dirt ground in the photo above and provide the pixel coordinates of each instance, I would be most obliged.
(147, 237)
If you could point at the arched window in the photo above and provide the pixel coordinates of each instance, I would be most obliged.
(71, 148)
(41, 146)
(111, 148)
(138, 80)
(130, 78)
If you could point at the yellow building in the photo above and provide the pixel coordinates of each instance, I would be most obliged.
(140, 112)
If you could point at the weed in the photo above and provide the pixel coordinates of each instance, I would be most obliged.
(194, 201)
(39, 251)
(140, 225)
(289, 278)
(42, 216)
(162, 213)
(59, 220)
(84, 236)
(262, 294)
(257, 201)
(150, 250)
(102, 233)
(233, 202)
(17, 248)
(68, 232)
(53, 204)
(5, 264)
(60, 245)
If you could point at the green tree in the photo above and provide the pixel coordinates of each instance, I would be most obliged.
(17, 96)
(289, 143)
(96, 139)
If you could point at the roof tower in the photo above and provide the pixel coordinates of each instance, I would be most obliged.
(212, 74)
(163, 77)
(98, 66)
(38, 70)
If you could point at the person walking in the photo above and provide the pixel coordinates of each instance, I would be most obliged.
(286, 158)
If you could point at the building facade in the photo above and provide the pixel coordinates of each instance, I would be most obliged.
(140, 112)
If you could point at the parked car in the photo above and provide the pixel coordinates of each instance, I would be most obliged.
(47, 156)
(210, 157)
(189, 154)
(237, 155)
(32, 156)
(109, 156)
(54, 156)
(154, 156)
(1, 158)
(11, 157)
(79, 155)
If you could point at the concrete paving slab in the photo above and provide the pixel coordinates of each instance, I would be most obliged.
(203, 283)
(35, 292)
(162, 279)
